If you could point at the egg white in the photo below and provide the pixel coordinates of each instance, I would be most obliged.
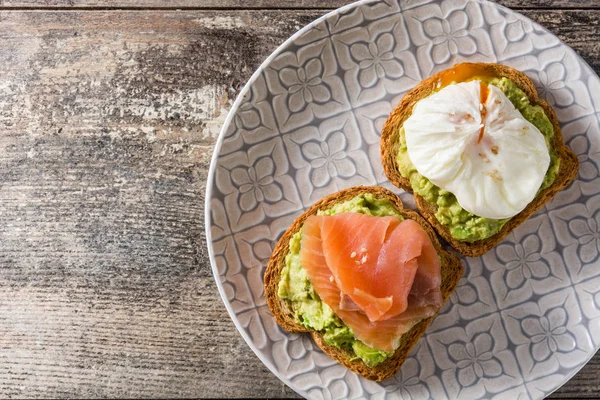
(495, 176)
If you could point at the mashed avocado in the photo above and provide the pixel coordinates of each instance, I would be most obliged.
(309, 310)
(462, 224)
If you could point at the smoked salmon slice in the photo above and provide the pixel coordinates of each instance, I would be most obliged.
(379, 275)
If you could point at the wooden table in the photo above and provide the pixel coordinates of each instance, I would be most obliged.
(109, 111)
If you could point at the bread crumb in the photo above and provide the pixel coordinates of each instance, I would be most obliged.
(364, 259)
(353, 254)
(363, 250)
(495, 150)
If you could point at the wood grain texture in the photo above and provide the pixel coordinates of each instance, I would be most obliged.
(260, 4)
(107, 124)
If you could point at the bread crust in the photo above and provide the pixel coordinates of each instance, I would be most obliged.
(451, 270)
(569, 164)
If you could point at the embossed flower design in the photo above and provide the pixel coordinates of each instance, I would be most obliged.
(247, 117)
(407, 382)
(305, 85)
(376, 60)
(587, 168)
(475, 359)
(587, 233)
(262, 250)
(449, 36)
(548, 334)
(516, 30)
(552, 78)
(328, 159)
(464, 293)
(523, 261)
(259, 324)
(596, 298)
(256, 184)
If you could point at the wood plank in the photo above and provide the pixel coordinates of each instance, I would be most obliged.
(578, 29)
(107, 125)
(259, 4)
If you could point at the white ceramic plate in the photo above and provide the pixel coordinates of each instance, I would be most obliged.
(526, 316)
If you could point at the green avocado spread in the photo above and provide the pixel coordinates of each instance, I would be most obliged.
(463, 225)
(309, 310)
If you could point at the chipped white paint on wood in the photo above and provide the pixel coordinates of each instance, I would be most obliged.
(107, 125)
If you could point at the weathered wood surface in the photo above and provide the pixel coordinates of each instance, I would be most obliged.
(107, 124)
(256, 4)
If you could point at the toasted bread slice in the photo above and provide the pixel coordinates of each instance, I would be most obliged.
(451, 270)
(569, 164)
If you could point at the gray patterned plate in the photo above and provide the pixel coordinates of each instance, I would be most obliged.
(526, 316)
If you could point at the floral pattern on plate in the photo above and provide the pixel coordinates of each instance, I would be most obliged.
(548, 334)
(525, 265)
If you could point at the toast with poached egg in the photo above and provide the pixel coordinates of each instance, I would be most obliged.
(308, 292)
(480, 151)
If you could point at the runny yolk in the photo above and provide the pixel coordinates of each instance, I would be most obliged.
(484, 92)
(462, 73)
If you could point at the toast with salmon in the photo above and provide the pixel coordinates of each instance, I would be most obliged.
(450, 271)
(394, 140)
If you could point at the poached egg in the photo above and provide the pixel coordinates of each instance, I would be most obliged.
(470, 140)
